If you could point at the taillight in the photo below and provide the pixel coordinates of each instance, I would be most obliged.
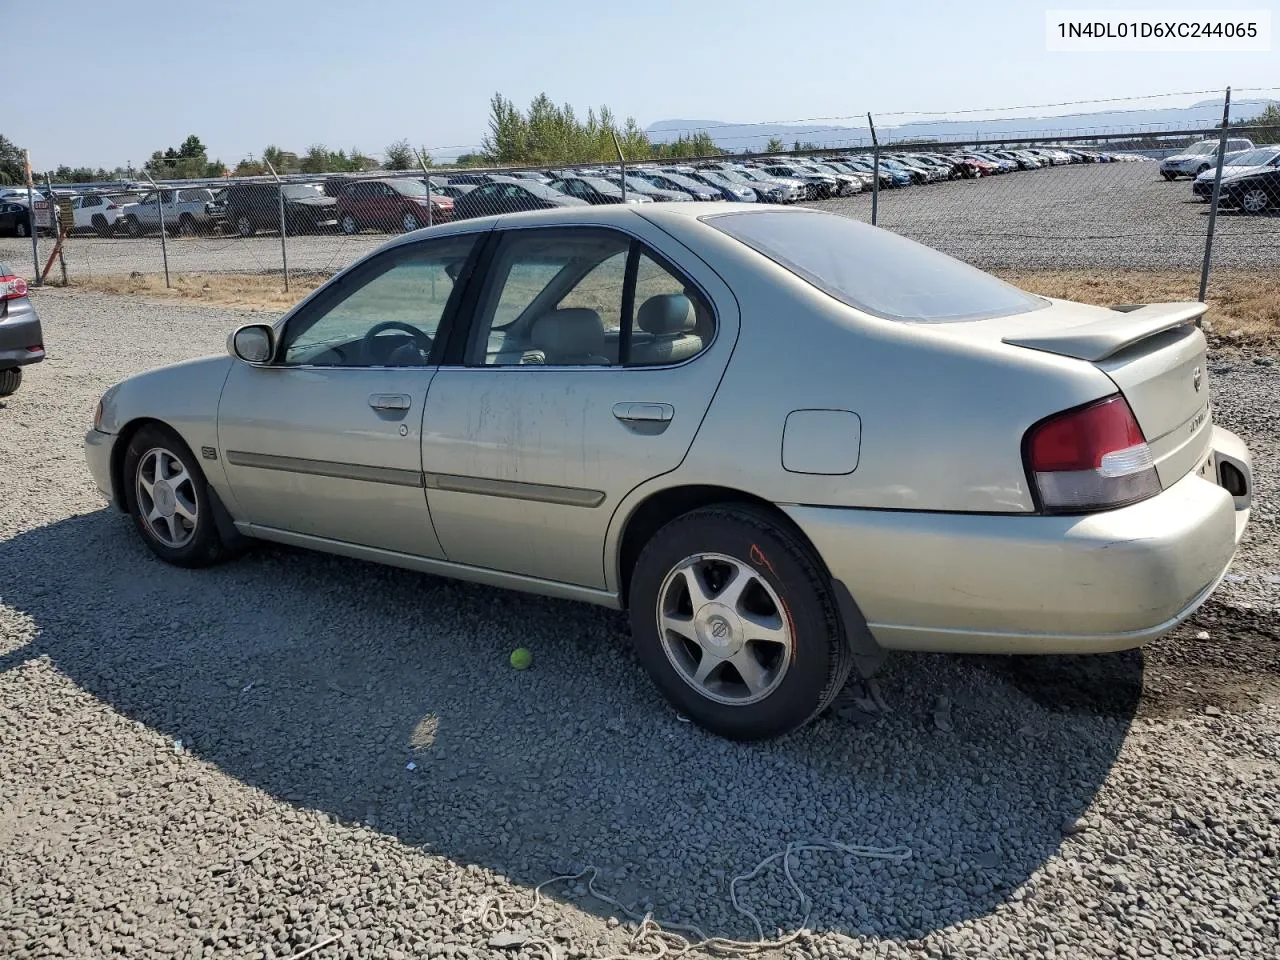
(11, 288)
(112, 206)
(1094, 457)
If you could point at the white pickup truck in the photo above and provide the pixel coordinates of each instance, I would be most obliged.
(183, 208)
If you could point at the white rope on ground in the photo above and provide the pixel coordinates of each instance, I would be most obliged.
(657, 941)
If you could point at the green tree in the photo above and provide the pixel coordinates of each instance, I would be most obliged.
(399, 156)
(316, 159)
(775, 145)
(1270, 118)
(192, 148)
(554, 133)
(12, 167)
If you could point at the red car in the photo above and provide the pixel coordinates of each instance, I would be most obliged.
(390, 204)
(984, 167)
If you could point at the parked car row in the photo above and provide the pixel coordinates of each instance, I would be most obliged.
(350, 204)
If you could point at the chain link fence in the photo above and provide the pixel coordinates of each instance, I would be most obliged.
(1096, 200)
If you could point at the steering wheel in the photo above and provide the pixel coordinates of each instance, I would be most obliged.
(420, 339)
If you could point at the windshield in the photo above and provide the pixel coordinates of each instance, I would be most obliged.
(300, 191)
(1202, 148)
(1254, 158)
(874, 270)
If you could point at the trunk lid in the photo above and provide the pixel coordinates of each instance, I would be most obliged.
(1155, 354)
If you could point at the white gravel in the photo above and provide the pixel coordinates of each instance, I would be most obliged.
(1121, 806)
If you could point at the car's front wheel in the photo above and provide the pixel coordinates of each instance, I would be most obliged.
(734, 621)
(244, 226)
(167, 495)
(21, 229)
(1168, 175)
(410, 222)
(349, 224)
(132, 226)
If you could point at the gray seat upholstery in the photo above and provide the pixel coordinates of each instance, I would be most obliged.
(669, 318)
(572, 335)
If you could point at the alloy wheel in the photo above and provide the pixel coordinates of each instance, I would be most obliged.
(724, 629)
(166, 498)
(1255, 201)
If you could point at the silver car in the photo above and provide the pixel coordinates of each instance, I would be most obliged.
(785, 441)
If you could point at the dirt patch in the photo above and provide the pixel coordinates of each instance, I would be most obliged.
(1235, 670)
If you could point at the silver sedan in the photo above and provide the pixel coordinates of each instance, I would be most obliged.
(785, 441)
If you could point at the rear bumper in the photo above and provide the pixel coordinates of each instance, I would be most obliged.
(19, 333)
(1021, 584)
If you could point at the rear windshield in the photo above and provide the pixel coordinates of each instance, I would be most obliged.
(876, 271)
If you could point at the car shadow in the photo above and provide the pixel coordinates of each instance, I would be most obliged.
(319, 680)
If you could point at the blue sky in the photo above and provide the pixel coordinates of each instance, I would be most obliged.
(133, 78)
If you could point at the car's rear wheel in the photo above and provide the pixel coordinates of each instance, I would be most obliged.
(1254, 200)
(21, 229)
(410, 222)
(733, 619)
(349, 225)
(132, 227)
(186, 225)
(166, 493)
(244, 226)
(1168, 175)
(100, 225)
(10, 381)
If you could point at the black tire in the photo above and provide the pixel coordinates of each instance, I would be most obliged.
(10, 381)
(245, 226)
(1203, 168)
(187, 225)
(132, 227)
(1168, 175)
(100, 225)
(776, 555)
(22, 229)
(349, 224)
(205, 545)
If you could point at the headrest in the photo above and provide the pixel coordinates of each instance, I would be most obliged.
(570, 332)
(666, 313)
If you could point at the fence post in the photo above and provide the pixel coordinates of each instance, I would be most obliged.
(875, 170)
(59, 236)
(31, 218)
(622, 167)
(284, 228)
(164, 243)
(426, 177)
(1217, 190)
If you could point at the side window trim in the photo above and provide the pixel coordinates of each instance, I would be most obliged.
(335, 293)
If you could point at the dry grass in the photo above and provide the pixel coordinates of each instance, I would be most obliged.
(1243, 304)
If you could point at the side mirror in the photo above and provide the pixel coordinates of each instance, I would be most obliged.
(254, 344)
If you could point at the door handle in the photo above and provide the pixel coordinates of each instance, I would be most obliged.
(390, 401)
(635, 412)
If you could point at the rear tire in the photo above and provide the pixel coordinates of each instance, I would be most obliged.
(1169, 175)
(167, 496)
(187, 225)
(762, 599)
(10, 381)
(22, 230)
(349, 225)
(100, 225)
(132, 227)
(244, 226)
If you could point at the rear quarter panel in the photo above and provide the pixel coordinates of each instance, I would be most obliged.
(942, 419)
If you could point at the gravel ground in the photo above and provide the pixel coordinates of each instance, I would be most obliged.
(216, 763)
(1092, 215)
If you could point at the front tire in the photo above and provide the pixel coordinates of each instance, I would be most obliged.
(1169, 175)
(244, 226)
(132, 227)
(100, 225)
(187, 225)
(349, 225)
(410, 222)
(733, 618)
(168, 498)
(10, 381)
(22, 230)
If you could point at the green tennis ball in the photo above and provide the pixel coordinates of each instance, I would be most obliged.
(521, 658)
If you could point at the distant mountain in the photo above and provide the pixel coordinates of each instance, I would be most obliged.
(740, 137)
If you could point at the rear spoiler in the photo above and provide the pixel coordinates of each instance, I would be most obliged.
(1099, 339)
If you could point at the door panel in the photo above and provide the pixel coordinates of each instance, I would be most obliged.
(327, 440)
(525, 463)
(305, 451)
